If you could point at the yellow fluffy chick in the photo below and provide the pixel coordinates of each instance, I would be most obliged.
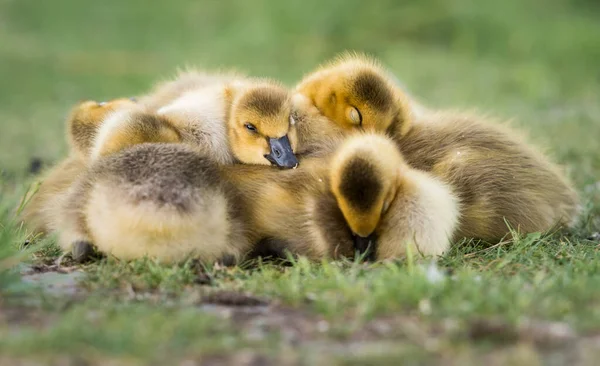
(241, 119)
(356, 92)
(131, 126)
(169, 202)
(69, 201)
(82, 125)
(42, 207)
(85, 119)
(364, 197)
(499, 178)
(380, 195)
(164, 201)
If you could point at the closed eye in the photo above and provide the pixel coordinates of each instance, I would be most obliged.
(355, 116)
(250, 127)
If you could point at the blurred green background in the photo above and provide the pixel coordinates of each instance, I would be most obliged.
(534, 61)
(537, 61)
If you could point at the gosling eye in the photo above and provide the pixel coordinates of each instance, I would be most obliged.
(355, 116)
(250, 127)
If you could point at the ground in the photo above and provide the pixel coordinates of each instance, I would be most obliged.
(528, 300)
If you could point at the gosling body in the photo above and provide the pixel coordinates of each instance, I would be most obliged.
(361, 198)
(163, 201)
(239, 119)
(501, 180)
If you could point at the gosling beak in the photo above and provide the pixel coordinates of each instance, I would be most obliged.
(366, 245)
(281, 153)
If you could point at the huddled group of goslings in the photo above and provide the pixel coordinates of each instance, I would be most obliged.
(221, 167)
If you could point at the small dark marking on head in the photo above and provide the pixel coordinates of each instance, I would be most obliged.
(267, 101)
(372, 89)
(360, 185)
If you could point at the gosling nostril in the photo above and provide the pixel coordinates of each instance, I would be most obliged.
(281, 154)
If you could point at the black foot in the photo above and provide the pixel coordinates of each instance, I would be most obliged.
(366, 247)
(83, 251)
(227, 260)
(273, 248)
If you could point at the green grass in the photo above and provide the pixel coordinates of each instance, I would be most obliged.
(131, 331)
(532, 61)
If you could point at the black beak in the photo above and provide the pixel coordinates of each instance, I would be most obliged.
(366, 246)
(281, 153)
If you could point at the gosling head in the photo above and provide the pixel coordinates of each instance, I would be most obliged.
(261, 129)
(365, 178)
(85, 120)
(357, 93)
(91, 112)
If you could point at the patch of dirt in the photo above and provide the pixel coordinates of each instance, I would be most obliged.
(53, 279)
(64, 361)
(47, 267)
(257, 318)
(293, 326)
(232, 298)
(15, 316)
(242, 358)
(542, 334)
